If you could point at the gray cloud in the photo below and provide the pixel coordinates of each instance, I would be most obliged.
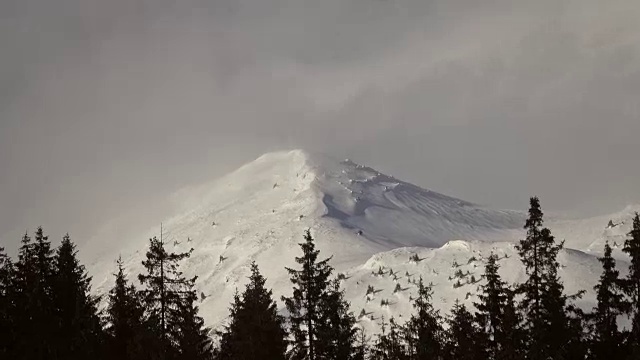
(107, 107)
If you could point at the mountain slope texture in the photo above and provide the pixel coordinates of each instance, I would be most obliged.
(369, 222)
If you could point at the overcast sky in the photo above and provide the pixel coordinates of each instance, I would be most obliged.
(107, 107)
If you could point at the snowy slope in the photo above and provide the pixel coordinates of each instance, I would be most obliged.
(363, 218)
(590, 235)
(439, 266)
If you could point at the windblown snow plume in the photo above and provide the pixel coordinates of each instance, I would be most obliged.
(383, 234)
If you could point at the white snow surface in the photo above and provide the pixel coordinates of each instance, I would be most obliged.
(364, 219)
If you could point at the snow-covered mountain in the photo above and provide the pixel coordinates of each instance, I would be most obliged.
(366, 220)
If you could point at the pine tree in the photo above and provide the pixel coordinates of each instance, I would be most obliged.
(35, 314)
(608, 340)
(255, 329)
(166, 290)
(7, 306)
(550, 331)
(424, 330)
(316, 332)
(632, 286)
(497, 316)
(79, 329)
(462, 336)
(125, 320)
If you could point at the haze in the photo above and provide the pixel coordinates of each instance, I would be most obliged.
(108, 107)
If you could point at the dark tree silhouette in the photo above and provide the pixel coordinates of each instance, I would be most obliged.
(497, 315)
(425, 336)
(551, 333)
(127, 335)
(632, 248)
(35, 316)
(318, 315)
(79, 334)
(7, 306)
(165, 293)
(255, 330)
(390, 343)
(463, 336)
(608, 341)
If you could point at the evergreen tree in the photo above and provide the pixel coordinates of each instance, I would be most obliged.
(424, 330)
(316, 332)
(255, 329)
(79, 328)
(228, 337)
(7, 306)
(497, 316)
(310, 286)
(166, 290)
(632, 286)
(35, 314)
(125, 320)
(337, 326)
(190, 334)
(390, 345)
(550, 330)
(463, 336)
(362, 346)
(512, 336)
(608, 341)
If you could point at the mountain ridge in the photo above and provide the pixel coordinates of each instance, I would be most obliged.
(259, 212)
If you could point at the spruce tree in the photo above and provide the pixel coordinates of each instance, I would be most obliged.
(165, 290)
(79, 329)
(125, 320)
(497, 315)
(424, 330)
(228, 337)
(463, 341)
(362, 345)
(310, 286)
(316, 333)
(189, 332)
(255, 330)
(608, 340)
(35, 314)
(549, 328)
(337, 326)
(512, 336)
(632, 286)
(390, 345)
(7, 306)
(533, 251)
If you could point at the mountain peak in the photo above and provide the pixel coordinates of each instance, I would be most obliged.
(357, 214)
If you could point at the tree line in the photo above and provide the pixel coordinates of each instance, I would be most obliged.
(47, 311)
